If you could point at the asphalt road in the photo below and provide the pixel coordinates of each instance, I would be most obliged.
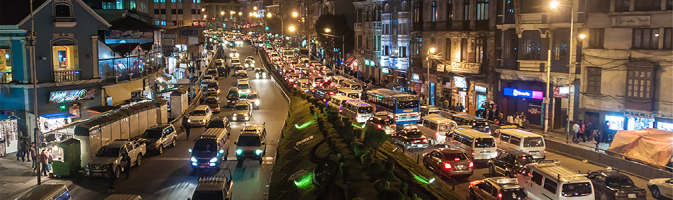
(170, 176)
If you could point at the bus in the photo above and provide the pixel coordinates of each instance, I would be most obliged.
(404, 108)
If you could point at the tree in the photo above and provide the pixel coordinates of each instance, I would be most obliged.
(339, 27)
(374, 139)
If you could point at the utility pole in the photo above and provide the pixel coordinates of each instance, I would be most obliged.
(571, 68)
(34, 77)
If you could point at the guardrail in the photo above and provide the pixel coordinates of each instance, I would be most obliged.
(273, 74)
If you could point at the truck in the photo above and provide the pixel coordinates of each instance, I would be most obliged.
(112, 154)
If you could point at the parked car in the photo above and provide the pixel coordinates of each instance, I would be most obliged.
(661, 188)
(242, 111)
(213, 73)
(158, 137)
(410, 138)
(111, 154)
(508, 162)
(613, 185)
(497, 188)
(215, 86)
(200, 116)
(449, 162)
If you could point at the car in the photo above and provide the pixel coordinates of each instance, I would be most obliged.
(219, 62)
(449, 162)
(233, 53)
(221, 71)
(238, 68)
(219, 122)
(213, 73)
(253, 98)
(497, 188)
(158, 137)
(214, 104)
(661, 188)
(213, 187)
(260, 73)
(250, 58)
(241, 74)
(382, 121)
(249, 65)
(214, 85)
(410, 138)
(508, 162)
(251, 143)
(242, 111)
(235, 62)
(211, 94)
(111, 154)
(613, 185)
(200, 116)
(243, 87)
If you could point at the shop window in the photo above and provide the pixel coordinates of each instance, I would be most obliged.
(648, 5)
(593, 80)
(5, 64)
(596, 37)
(667, 126)
(637, 123)
(639, 82)
(622, 5)
(65, 62)
(615, 122)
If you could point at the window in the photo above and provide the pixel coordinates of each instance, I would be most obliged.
(482, 9)
(466, 11)
(62, 10)
(403, 52)
(180, 11)
(196, 1)
(157, 11)
(386, 29)
(174, 11)
(434, 11)
(550, 185)
(65, 61)
(175, 23)
(157, 23)
(537, 178)
(163, 23)
(560, 49)
(598, 6)
(386, 50)
(463, 49)
(622, 5)
(531, 49)
(639, 82)
(359, 42)
(163, 11)
(193, 11)
(596, 37)
(417, 12)
(5, 64)
(403, 28)
(645, 38)
(386, 8)
(668, 38)
(449, 11)
(405, 6)
(479, 49)
(447, 51)
(594, 80)
(645, 5)
(669, 4)
(515, 140)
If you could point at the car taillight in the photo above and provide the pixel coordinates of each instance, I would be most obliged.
(340, 110)
(641, 193)
(447, 165)
(545, 151)
(472, 153)
(620, 195)
(470, 165)
(324, 100)
(499, 195)
(395, 125)
(436, 134)
(378, 126)
(295, 85)
(456, 159)
(425, 140)
(331, 93)
(356, 118)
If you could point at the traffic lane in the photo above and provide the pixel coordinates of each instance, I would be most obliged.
(481, 171)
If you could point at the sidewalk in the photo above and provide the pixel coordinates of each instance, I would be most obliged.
(559, 135)
(16, 177)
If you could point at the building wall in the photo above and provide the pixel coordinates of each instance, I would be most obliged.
(171, 20)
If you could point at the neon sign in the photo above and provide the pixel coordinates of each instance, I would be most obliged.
(522, 93)
(71, 95)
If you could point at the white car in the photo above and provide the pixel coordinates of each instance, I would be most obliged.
(200, 116)
(661, 188)
(233, 53)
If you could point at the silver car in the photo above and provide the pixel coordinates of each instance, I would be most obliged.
(242, 111)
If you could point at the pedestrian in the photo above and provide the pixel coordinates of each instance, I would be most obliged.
(510, 119)
(126, 159)
(524, 122)
(26, 150)
(43, 161)
(111, 177)
(50, 159)
(33, 155)
(606, 130)
(19, 153)
(576, 130)
(590, 128)
(596, 138)
(580, 133)
(517, 120)
(187, 126)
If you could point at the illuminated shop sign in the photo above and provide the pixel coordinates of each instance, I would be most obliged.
(481, 89)
(71, 95)
(522, 93)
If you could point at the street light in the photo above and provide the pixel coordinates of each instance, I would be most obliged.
(269, 15)
(432, 50)
(222, 13)
(327, 30)
(554, 4)
(291, 28)
(240, 13)
(582, 36)
(203, 10)
(295, 14)
(254, 7)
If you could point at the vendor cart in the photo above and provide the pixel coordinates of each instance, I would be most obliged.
(66, 157)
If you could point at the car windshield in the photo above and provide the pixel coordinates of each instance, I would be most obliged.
(484, 143)
(212, 72)
(107, 152)
(205, 145)
(215, 124)
(453, 156)
(356, 87)
(414, 134)
(205, 195)
(514, 194)
(248, 141)
(407, 104)
(619, 181)
(213, 85)
(576, 189)
(211, 101)
(235, 61)
(199, 113)
(241, 107)
(533, 142)
(152, 133)
(365, 110)
(251, 96)
(243, 86)
(232, 96)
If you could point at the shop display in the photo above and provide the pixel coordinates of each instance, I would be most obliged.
(666, 126)
(615, 122)
(50, 124)
(8, 136)
(635, 123)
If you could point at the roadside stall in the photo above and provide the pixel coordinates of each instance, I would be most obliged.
(650, 146)
(9, 135)
(66, 157)
(179, 101)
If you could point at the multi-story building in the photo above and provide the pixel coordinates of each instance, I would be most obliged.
(461, 33)
(626, 59)
(176, 13)
(221, 13)
(252, 11)
(112, 10)
(368, 34)
(534, 58)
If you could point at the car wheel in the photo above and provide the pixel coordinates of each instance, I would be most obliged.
(655, 192)
(173, 143)
(161, 149)
(139, 160)
(118, 171)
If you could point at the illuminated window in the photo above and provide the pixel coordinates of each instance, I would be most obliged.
(5, 64)
(65, 61)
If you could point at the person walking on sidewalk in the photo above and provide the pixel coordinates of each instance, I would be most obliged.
(33, 155)
(111, 177)
(596, 137)
(19, 153)
(581, 132)
(576, 130)
(43, 161)
(186, 125)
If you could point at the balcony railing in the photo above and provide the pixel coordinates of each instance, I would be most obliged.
(403, 15)
(378, 25)
(65, 21)
(358, 26)
(66, 75)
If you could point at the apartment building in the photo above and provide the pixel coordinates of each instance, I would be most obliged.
(223, 14)
(176, 13)
(626, 59)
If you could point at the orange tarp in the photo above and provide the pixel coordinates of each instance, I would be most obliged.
(650, 146)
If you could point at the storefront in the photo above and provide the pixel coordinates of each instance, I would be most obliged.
(638, 120)
(520, 100)
(480, 94)
(9, 135)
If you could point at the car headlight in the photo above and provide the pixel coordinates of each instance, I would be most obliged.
(231, 55)
(213, 159)
(235, 114)
(236, 54)
(246, 64)
(239, 151)
(248, 91)
(256, 75)
(259, 152)
(193, 159)
(257, 102)
(189, 120)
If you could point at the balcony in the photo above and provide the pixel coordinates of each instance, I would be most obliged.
(65, 21)
(368, 25)
(358, 26)
(533, 18)
(66, 75)
(403, 15)
(481, 25)
(378, 26)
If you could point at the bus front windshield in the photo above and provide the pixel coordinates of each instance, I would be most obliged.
(407, 104)
(365, 110)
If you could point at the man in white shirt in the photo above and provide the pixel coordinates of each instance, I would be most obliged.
(576, 129)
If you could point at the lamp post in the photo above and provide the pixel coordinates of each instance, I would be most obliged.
(343, 43)
(34, 75)
(282, 21)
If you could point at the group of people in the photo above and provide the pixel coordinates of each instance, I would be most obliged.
(588, 130)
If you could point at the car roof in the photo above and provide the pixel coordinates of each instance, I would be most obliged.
(612, 173)
(242, 103)
(211, 183)
(252, 92)
(201, 107)
(242, 81)
(516, 153)
(116, 144)
(449, 150)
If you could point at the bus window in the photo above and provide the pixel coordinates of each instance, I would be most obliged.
(365, 109)
(407, 104)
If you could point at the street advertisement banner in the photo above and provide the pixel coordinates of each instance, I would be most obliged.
(522, 93)
(71, 95)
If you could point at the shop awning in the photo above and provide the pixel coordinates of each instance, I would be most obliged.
(57, 115)
(4, 117)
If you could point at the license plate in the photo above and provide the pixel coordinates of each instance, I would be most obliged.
(460, 166)
(632, 196)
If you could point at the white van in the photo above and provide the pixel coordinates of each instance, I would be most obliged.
(435, 128)
(337, 101)
(517, 139)
(358, 111)
(550, 180)
(338, 80)
(349, 93)
(480, 145)
(351, 85)
(46, 192)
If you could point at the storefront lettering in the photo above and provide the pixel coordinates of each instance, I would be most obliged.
(626, 21)
(71, 95)
(637, 114)
(472, 68)
(522, 93)
(534, 110)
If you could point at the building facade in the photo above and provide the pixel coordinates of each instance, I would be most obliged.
(176, 13)
(626, 59)
(224, 14)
